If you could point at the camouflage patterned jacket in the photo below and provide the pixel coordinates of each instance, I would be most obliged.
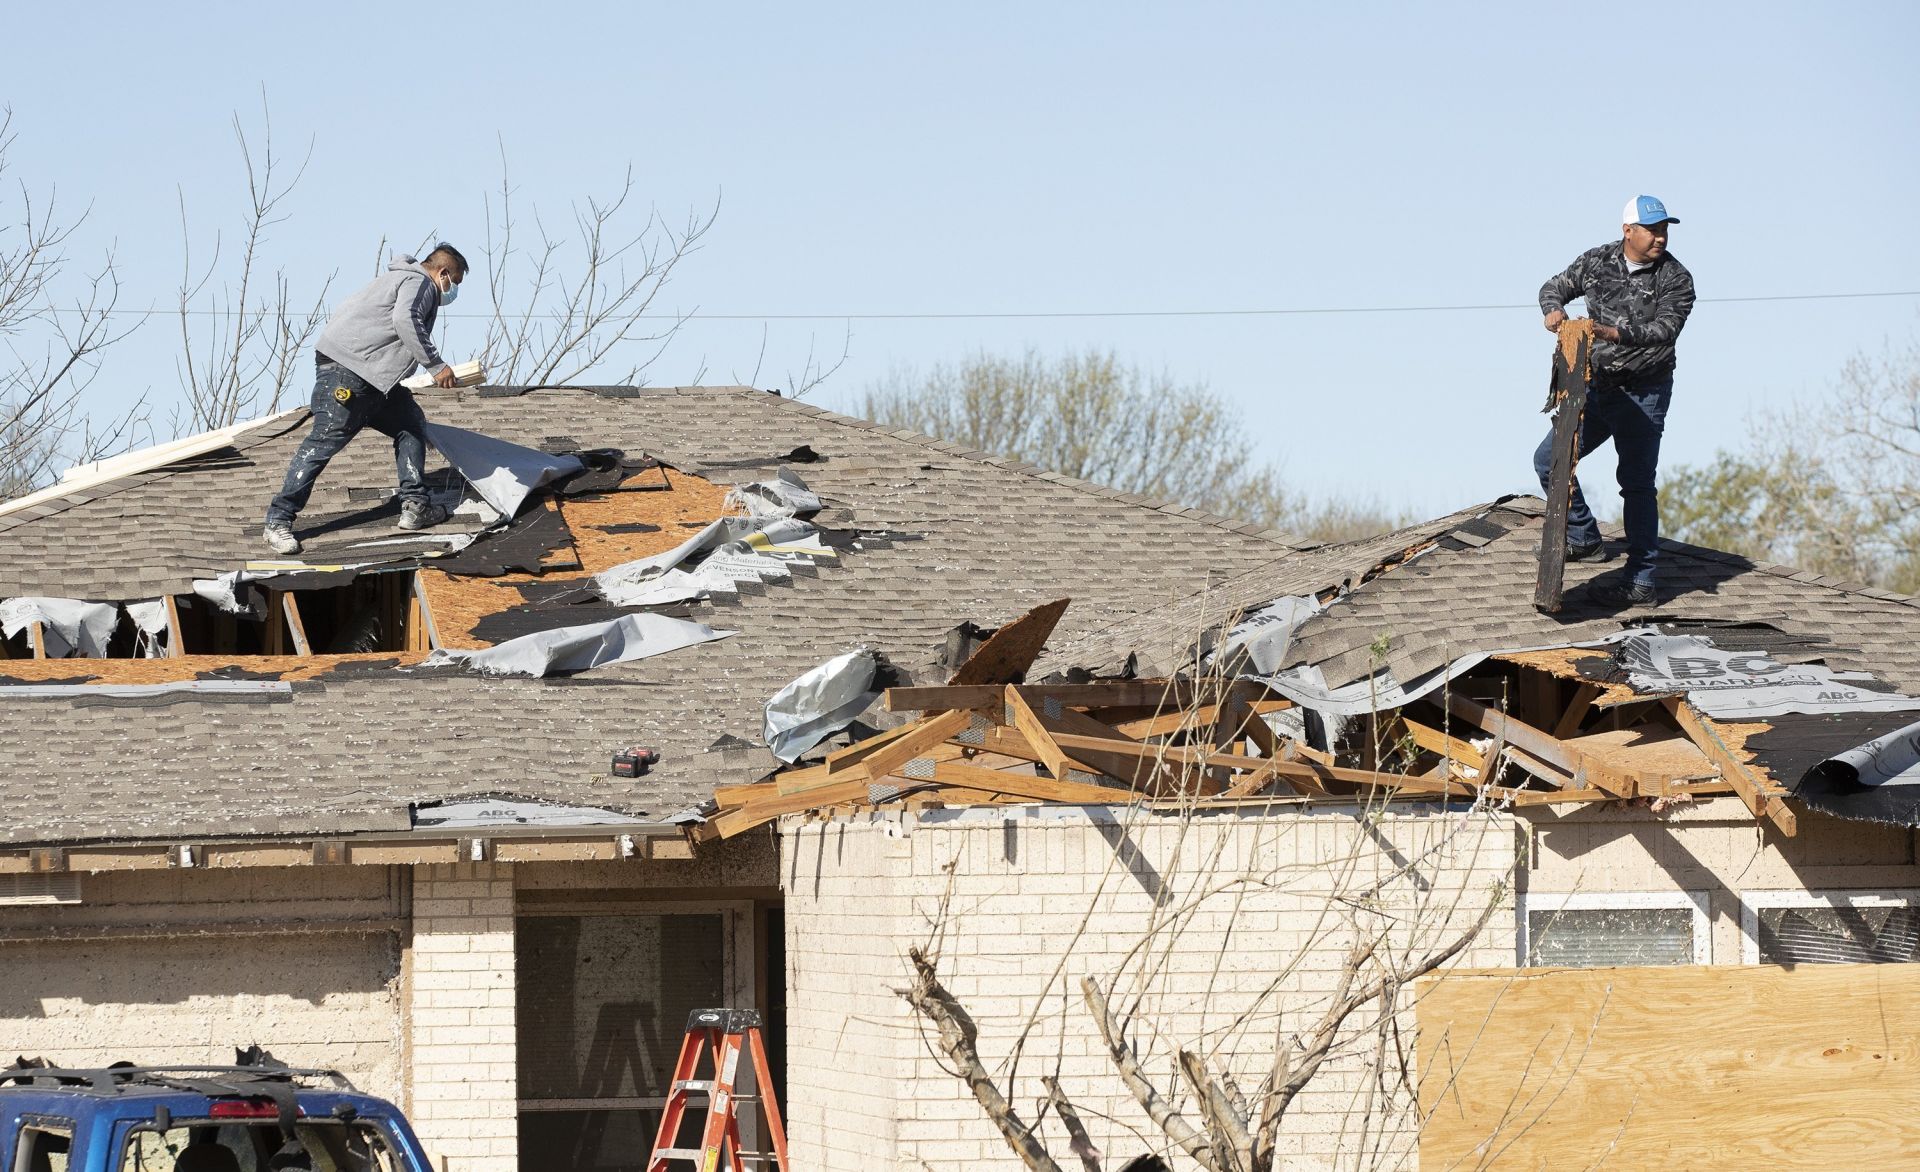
(1648, 307)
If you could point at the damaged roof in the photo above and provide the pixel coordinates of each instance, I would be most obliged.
(935, 535)
(1464, 583)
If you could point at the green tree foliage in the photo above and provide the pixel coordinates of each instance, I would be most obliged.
(1833, 488)
(1092, 417)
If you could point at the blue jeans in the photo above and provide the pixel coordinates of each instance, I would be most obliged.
(1633, 415)
(337, 420)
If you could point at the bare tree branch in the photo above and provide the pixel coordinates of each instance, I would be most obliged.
(959, 1038)
(562, 327)
(52, 347)
(246, 360)
(1127, 1063)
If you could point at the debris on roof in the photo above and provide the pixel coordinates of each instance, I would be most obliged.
(565, 650)
(1526, 711)
(821, 702)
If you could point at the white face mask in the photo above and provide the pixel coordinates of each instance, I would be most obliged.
(449, 294)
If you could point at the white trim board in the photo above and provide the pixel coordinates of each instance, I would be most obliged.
(82, 477)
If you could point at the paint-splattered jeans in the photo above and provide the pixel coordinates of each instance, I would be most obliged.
(1634, 416)
(343, 403)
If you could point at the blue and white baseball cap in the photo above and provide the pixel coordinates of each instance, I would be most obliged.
(1646, 210)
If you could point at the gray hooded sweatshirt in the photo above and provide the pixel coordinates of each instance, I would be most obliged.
(386, 329)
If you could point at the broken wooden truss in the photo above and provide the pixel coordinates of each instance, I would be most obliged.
(1509, 733)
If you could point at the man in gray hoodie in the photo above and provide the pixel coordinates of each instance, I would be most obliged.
(374, 339)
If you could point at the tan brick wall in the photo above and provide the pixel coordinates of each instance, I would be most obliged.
(1715, 848)
(182, 966)
(1035, 903)
(462, 1086)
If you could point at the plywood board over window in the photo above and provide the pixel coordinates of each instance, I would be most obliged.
(1688, 1067)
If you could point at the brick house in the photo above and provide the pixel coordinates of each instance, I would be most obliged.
(224, 831)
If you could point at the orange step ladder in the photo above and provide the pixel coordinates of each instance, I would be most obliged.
(721, 1033)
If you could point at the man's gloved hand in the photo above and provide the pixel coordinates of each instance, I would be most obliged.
(1554, 319)
(444, 379)
(1606, 333)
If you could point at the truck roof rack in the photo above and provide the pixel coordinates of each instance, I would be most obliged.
(212, 1081)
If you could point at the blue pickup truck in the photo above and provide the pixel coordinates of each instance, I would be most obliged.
(246, 1118)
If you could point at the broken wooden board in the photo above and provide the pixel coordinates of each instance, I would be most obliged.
(1567, 399)
(1161, 695)
(1007, 654)
(1763, 800)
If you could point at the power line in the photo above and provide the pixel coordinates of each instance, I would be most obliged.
(1043, 314)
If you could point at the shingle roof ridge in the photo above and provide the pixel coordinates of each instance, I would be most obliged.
(1173, 508)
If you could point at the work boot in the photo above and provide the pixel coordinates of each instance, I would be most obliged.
(1621, 593)
(421, 514)
(280, 538)
(1577, 552)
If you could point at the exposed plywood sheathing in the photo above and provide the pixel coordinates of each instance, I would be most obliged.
(689, 504)
(1695, 1067)
(605, 528)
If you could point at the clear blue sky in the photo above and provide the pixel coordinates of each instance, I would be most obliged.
(1038, 158)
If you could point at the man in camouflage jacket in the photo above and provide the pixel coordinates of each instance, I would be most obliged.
(1639, 296)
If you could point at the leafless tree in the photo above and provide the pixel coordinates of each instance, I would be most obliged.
(1832, 486)
(815, 370)
(1387, 931)
(1092, 417)
(53, 339)
(1212, 1033)
(242, 337)
(567, 303)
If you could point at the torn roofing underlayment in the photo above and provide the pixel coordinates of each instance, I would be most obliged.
(813, 540)
(855, 536)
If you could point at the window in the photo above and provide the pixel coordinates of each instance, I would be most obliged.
(250, 1147)
(603, 1000)
(43, 1147)
(1601, 928)
(1833, 927)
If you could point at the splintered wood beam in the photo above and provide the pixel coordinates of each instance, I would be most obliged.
(1435, 741)
(1242, 763)
(735, 796)
(37, 639)
(175, 645)
(425, 635)
(1517, 733)
(1576, 712)
(1184, 720)
(1760, 800)
(1567, 398)
(273, 632)
(1529, 764)
(841, 760)
(1039, 789)
(1034, 727)
(1158, 694)
(290, 606)
(927, 732)
(1007, 654)
(760, 810)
